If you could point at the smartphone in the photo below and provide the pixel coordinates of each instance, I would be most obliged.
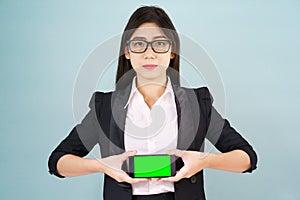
(152, 166)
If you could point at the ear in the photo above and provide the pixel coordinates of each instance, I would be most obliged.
(172, 56)
(126, 53)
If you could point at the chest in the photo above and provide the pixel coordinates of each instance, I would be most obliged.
(187, 130)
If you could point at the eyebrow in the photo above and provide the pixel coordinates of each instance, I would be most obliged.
(143, 38)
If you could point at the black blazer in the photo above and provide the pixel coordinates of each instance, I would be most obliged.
(197, 119)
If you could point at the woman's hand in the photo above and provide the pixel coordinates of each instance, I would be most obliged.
(112, 167)
(194, 161)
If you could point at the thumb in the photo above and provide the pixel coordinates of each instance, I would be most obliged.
(175, 152)
(126, 154)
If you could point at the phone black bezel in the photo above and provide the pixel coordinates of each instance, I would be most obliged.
(172, 160)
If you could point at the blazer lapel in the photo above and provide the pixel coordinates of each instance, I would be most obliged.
(116, 139)
(118, 118)
(188, 116)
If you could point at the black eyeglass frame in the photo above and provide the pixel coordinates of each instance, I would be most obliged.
(129, 41)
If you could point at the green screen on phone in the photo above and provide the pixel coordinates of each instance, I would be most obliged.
(152, 166)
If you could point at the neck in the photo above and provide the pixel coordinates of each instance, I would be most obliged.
(151, 89)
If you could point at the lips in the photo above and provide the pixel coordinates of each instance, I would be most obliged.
(149, 66)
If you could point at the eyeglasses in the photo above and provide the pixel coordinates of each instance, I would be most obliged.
(140, 46)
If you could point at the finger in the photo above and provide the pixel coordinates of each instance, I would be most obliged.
(175, 152)
(135, 180)
(126, 154)
(158, 179)
(179, 175)
(126, 178)
(169, 179)
(139, 180)
(130, 153)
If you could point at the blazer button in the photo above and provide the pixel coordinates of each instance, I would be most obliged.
(193, 179)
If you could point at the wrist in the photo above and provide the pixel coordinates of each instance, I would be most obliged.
(94, 165)
(209, 160)
(100, 166)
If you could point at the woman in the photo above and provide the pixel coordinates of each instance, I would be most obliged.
(147, 88)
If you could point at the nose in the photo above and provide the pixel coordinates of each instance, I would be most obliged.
(149, 53)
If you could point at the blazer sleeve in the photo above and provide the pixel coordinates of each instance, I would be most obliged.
(82, 138)
(222, 135)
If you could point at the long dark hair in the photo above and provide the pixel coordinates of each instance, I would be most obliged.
(159, 16)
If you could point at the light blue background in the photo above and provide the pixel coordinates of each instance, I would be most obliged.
(255, 45)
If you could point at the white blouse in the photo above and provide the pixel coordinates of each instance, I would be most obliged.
(151, 131)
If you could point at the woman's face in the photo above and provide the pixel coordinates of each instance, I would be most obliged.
(149, 65)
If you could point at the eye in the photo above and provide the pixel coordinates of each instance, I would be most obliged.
(161, 43)
(138, 43)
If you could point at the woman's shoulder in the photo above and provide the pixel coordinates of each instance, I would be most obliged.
(204, 93)
(99, 94)
(98, 97)
(201, 92)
